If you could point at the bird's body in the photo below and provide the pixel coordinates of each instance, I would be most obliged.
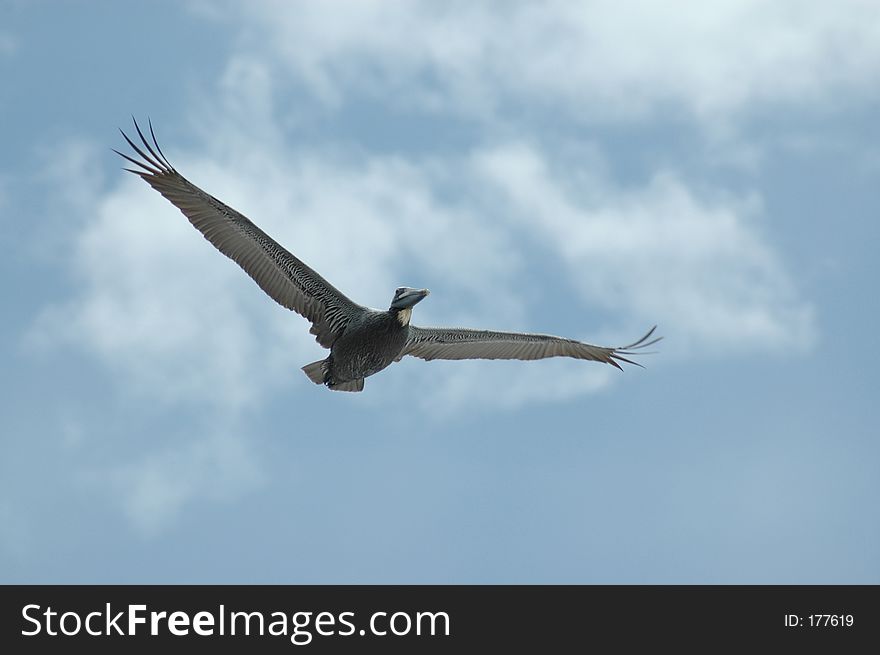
(362, 341)
(370, 343)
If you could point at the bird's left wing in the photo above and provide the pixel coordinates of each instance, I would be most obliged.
(462, 343)
(284, 277)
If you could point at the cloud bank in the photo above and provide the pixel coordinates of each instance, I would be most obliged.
(160, 306)
(595, 60)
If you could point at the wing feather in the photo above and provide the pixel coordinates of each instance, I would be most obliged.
(283, 276)
(463, 343)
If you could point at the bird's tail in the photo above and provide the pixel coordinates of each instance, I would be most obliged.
(315, 371)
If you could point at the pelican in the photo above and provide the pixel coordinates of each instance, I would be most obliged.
(362, 341)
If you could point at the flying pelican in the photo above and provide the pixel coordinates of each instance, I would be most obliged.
(362, 341)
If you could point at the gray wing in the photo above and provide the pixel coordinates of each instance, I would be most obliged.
(288, 280)
(461, 343)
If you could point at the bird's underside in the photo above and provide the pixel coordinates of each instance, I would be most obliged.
(362, 341)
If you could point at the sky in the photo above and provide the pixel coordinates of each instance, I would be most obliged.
(584, 169)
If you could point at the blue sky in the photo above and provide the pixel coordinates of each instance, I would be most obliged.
(581, 169)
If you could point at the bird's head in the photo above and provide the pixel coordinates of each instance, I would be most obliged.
(403, 301)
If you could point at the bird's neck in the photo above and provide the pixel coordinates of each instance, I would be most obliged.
(403, 315)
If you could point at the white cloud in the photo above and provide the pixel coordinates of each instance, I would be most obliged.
(594, 60)
(699, 267)
(448, 388)
(154, 490)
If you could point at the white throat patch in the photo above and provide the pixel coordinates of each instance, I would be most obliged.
(404, 315)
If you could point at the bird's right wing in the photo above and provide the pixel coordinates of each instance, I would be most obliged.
(462, 343)
(287, 279)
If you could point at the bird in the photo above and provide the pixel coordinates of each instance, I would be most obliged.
(362, 341)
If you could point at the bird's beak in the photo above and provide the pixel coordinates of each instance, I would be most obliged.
(410, 298)
(414, 296)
